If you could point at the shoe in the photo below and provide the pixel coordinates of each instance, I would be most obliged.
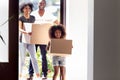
(44, 78)
(31, 78)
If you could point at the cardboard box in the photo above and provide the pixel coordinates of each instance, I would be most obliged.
(39, 35)
(61, 47)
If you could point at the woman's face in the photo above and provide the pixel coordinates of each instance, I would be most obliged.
(57, 34)
(27, 9)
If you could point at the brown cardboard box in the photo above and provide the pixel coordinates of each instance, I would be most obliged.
(61, 47)
(39, 35)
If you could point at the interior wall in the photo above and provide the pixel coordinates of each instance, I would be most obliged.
(77, 26)
(106, 39)
(90, 43)
(118, 40)
(106, 47)
(80, 28)
(10, 70)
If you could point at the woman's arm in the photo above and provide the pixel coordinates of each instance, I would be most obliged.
(21, 29)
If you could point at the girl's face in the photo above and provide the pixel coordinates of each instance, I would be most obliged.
(58, 34)
(27, 10)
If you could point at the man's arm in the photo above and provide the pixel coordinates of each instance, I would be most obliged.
(56, 22)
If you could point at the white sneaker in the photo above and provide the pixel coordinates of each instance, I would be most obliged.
(37, 78)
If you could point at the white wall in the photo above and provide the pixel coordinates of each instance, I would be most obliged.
(4, 31)
(106, 40)
(77, 28)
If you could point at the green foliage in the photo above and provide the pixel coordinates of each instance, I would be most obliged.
(39, 60)
(49, 61)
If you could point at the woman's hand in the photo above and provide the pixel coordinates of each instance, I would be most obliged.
(30, 33)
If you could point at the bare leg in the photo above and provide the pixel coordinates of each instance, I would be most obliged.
(62, 72)
(56, 70)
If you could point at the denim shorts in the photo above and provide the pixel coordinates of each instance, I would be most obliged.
(58, 61)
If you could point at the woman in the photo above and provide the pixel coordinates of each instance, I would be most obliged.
(27, 18)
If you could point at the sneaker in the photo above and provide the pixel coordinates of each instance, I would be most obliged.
(38, 78)
(31, 78)
(44, 78)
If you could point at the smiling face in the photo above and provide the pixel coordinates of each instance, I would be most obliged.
(58, 34)
(27, 9)
(42, 4)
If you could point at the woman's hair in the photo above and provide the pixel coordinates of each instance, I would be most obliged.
(26, 4)
(57, 27)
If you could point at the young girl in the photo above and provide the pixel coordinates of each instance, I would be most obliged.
(58, 32)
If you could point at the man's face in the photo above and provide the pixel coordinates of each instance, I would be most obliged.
(42, 4)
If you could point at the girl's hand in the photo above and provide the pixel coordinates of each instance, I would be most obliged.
(47, 48)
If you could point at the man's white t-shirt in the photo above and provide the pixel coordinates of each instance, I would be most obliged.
(47, 17)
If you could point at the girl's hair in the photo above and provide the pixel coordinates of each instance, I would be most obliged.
(57, 27)
(26, 4)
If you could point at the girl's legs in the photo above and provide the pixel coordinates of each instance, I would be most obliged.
(62, 72)
(31, 49)
(56, 70)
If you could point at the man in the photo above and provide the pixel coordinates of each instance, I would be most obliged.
(42, 16)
